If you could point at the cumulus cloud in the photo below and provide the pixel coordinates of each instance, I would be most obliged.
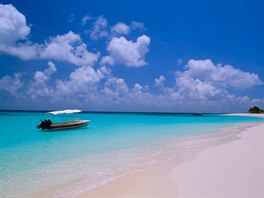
(86, 75)
(102, 29)
(81, 81)
(115, 87)
(14, 29)
(13, 26)
(99, 29)
(39, 86)
(222, 75)
(68, 47)
(191, 91)
(159, 81)
(24, 51)
(120, 28)
(41, 77)
(195, 89)
(203, 80)
(85, 19)
(137, 25)
(139, 89)
(100, 88)
(129, 53)
(11, 84)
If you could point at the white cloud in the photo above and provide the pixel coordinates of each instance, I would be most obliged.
(86, 75)
(81, 81)
(68, 47)
(99, 29)
(107, 60)
(203, 80)
(159, 81)
(85, 19)
(107, 92)
(137, 25)
(222, 75)
(120, 28)
(39, 86)
(11, 84)
(189, 94)
(41, 77)
(195, 89)
(51, 69)
(137, 88)
(25, 51)
(116, 87)
(13, 26)
(129, 53)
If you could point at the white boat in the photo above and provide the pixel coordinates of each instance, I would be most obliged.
(71, 124)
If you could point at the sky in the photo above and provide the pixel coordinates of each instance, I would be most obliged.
(139, 56)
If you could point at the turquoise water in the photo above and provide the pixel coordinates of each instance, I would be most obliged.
(33, 160)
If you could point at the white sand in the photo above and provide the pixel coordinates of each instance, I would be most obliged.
(232, 167)
(246, 114)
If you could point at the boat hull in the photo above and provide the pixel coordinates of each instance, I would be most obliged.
(68, 125)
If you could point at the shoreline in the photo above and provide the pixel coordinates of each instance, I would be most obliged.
(182, 176)
(258, 115)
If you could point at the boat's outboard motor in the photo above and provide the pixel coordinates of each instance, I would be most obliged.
(45, 124)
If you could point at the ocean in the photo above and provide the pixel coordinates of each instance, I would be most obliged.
(71, 161)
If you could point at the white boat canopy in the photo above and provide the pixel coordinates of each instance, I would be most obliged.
(67, 111)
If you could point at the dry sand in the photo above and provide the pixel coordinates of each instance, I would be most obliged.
(229, 166)
(246, 114)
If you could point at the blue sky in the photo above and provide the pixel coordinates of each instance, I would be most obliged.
(171, 56)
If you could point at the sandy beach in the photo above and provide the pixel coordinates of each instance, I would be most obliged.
(246, 114)
(229, 164)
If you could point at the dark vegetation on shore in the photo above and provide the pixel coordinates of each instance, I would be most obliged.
(255, 109)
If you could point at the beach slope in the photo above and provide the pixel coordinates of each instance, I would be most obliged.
(232, 168)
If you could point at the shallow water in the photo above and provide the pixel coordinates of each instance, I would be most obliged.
(113, 143)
